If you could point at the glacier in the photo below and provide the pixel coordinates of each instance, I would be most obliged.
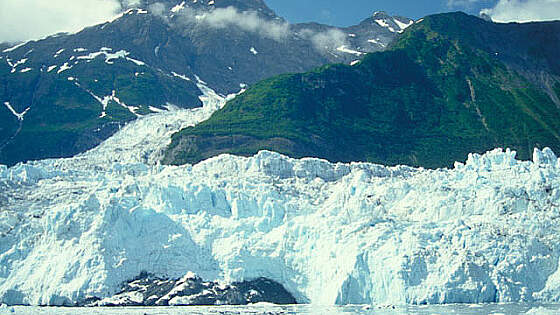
(486, 230)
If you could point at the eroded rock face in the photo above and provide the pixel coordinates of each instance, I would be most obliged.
(149, 290)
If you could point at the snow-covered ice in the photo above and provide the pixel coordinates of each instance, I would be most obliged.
(16, 64)
(377, 42)
(330, 233)
(181, 76)
(382, 23)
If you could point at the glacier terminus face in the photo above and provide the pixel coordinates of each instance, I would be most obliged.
(485, 231)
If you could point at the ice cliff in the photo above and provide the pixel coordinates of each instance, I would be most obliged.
(485, 231)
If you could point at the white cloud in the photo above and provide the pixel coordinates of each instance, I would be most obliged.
(326, 40)
(33, 19)
(158, 9)
(250, 21)
(524, 10)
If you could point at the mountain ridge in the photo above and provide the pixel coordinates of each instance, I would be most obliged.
(80, 88)
(429, 100)
(242, 5)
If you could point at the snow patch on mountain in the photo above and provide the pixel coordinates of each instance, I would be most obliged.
(64, 67)
(127, 12)
(402, 25)
(383, 23)
(178, 7)
(19, 116)
(347, 50)
(14, 65)
(14, 47)
(112, 98)
(135, 61)
(58, 52)
(109, 57)
(377, 42)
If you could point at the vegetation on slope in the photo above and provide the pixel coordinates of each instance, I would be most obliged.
(434, 97)
(64, 117)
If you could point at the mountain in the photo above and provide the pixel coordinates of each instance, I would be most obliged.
(450, 85)
(64, 94)
(242, 5)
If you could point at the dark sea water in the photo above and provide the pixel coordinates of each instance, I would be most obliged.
(467, 309)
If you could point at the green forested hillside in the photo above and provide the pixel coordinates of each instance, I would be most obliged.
(443, 90)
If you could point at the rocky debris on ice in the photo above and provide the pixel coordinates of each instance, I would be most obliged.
(487, 230)
(190, 290)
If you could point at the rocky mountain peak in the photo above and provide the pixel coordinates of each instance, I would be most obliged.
(485, 17)
(392, 24)
(241, 5)
(381, 15)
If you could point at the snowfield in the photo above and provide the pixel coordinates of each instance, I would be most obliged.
(485, 231)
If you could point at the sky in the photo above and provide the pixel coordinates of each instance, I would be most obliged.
(22, 20)
(351, 12)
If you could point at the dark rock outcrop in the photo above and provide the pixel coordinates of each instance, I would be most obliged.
(148, 290)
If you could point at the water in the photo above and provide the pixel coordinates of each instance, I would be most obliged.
(463, 309)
